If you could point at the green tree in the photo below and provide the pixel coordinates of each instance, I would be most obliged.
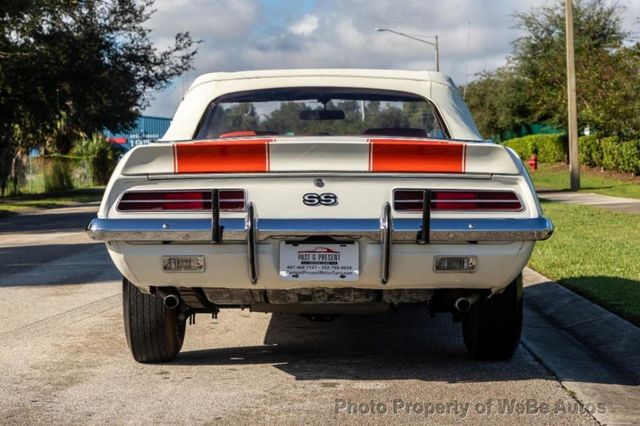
(531, 88)
(240, 116)
(76, 67)
(499, 102)
(605, 70)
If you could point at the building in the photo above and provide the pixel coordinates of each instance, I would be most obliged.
(146, 130)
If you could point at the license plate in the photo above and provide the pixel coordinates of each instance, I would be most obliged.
(319, 262)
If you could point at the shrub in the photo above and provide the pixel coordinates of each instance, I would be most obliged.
(103, 163)
(57, 175)
(610, 153)
(550, 148)
(609, 147)
(590, 150)
(629, 157)
(99, 158)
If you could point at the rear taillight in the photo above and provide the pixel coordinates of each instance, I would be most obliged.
(411, 200)
(230, 200)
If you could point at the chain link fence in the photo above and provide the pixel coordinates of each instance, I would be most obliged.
(45, 174)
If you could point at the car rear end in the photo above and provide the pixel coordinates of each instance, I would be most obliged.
(320, 223)
(410, 229)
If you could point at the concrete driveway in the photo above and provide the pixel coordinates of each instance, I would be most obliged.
(64, 357)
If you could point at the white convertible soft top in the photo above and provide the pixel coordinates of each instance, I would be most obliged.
(435, 86)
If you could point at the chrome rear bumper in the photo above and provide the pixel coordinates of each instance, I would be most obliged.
(385, 229)
(401, 230)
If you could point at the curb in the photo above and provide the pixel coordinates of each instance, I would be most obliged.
(594, 353)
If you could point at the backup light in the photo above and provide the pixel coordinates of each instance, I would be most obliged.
(183, 263)
(455, 263)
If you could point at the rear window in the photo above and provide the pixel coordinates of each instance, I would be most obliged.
(321, 111)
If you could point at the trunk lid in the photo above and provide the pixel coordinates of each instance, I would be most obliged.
(321, 154)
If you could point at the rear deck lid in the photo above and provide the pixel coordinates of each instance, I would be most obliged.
(322, 154)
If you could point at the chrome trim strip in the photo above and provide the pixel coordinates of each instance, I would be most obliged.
(404, 230)
(282, 228)
(425, 226)
(477, 229)
(163, 229)
(252, 252)
(216, 230)
(319, 174)
(386, 229)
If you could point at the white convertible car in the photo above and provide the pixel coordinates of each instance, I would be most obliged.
(321, 192)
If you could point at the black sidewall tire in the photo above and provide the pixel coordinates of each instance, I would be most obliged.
(492, 328)
(154, 333)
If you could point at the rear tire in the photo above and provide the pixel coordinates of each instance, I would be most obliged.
(492, 328)
(154, 333)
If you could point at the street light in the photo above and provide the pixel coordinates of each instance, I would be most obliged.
(387, 30)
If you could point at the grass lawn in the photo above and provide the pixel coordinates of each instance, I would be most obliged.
(23, 203)
(556, 177)
(596, 253)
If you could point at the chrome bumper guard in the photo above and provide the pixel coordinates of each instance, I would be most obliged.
(386, 229)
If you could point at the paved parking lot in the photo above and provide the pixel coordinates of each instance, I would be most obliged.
(65, 360)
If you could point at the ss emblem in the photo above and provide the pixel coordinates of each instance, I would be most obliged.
(324, 199)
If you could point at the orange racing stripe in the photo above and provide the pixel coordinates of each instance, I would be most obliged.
(229, 156)
(420, 156)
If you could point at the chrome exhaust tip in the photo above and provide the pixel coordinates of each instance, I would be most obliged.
(463, 304)
(171, 301)
(170, 297)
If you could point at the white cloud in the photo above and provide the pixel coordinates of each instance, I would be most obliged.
(248, 34)
(204, 19)
(305, 26)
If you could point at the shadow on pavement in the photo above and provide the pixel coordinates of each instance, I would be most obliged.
(406, 345)
(47, 222)
(54, 264)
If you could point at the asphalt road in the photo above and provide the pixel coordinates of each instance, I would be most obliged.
(64, 357)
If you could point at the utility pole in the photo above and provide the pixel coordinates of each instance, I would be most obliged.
(574, 162)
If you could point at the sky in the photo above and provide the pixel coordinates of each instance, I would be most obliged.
(266, 34)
